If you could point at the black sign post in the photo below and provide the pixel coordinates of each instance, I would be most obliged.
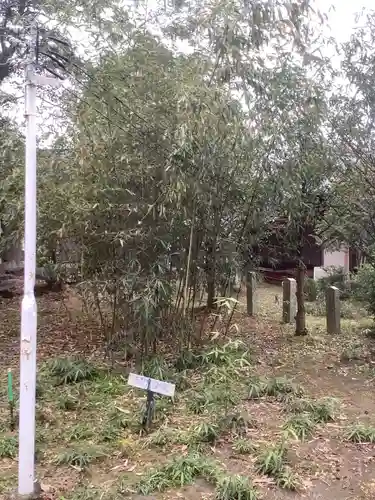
(150, 407)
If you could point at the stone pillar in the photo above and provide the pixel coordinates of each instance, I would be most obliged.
(333, 309)
(289, 300)
(251, 283)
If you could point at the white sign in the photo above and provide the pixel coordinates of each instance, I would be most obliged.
(151, 384)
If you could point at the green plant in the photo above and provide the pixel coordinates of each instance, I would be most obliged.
(67, 402)
(243, 446)
(8, 447)
(109, 385)
(206, 432)
(85, 493)
(182, 380)
(81, 458)
(257, 388)
(271, 461)
(237, 423)
(360, 433)
(155, 367)
(281, 386)
(321, 411)
(325, 409)
(110, 432)
(40, 389)
(352, 353)
(178, 472)
(317, 308)
(299, 426)
(235, 487)
(163, 436)
(336, 276)
(120, 418)
(79, 432)
(71, 370)
(163, 406)
(287, 479)
(187, 360)
(198, 403)
(348, 310)
(365, 286)
(311, 290)
(233, 352)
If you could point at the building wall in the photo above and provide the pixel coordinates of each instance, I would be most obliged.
(337, 258)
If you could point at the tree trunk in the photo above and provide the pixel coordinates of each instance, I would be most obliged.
(210, 275)
(301, 312)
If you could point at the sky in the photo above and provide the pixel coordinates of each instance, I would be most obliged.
(341, 22)
(342, 15)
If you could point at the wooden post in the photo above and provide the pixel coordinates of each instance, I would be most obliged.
(333, 309)
(289, 300)
(251, 282)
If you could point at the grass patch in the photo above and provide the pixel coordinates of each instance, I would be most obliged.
(233, 352)
(163, 436)
(122, 419)
(257, 388)
(85, 493)
(281, 386)
(235, 487)
(271, 461)
(156, 367)
(206, 432)
(178, 472)
(243, 446)
(360, 433)
(80, 458)
(71, 370)
(110, 433)
(212, 397)
(198, 404)
(187, 360)
(68, 402)
(237, 423)
(80, 432)
(278, 387)
(299, 427)
(8, 447)
(287, 479)
(321, 411)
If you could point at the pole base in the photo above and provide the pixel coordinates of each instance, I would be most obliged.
(37, 495)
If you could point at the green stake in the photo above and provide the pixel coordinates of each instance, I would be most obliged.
(10, 399)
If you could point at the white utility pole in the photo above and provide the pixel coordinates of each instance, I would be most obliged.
(26, 461)
(26, 465)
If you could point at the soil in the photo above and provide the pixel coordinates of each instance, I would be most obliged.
(330, 468)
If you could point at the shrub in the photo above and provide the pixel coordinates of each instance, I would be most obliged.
(347, 309)
(335, 277)
(311, 290)
(364, 290)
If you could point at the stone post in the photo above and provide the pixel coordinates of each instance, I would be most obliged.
(333, 309)
(251, 282)
(289, 300)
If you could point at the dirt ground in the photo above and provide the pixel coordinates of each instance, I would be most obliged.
(342, 366)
